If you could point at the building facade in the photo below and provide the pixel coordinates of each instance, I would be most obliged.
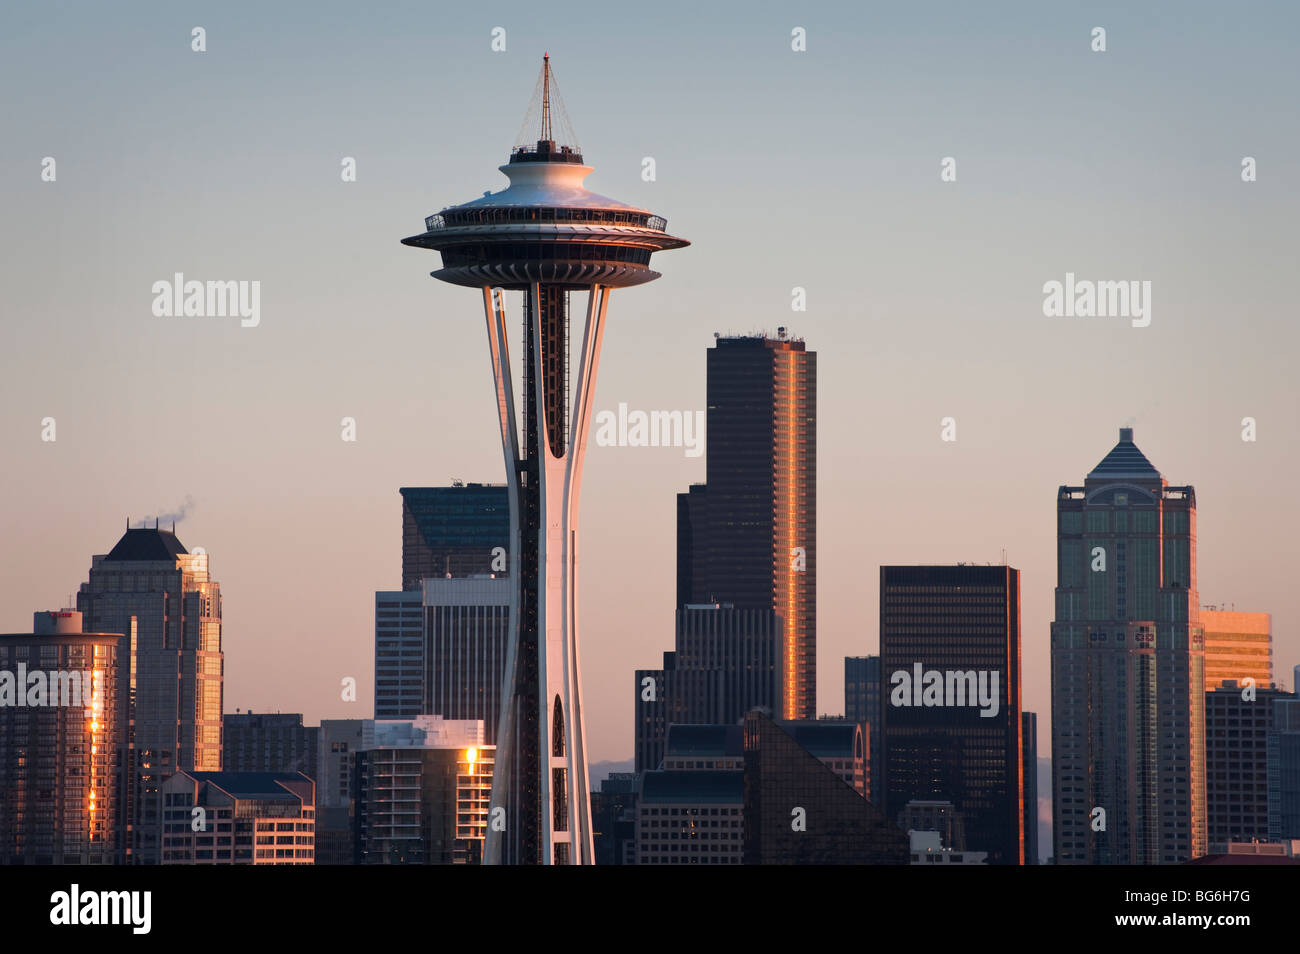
(799, 810)
(862, 705)
(1238, 646)
(1128, 669)
(163, 600)
(462, 530)
(1283, 756)
(748, 537)
(951, 717)
(1238, 722)
(60, 735)
(270, 742)
(421, 793)
(238, 818)
(399, 654)
(727, 661)
(466, 639)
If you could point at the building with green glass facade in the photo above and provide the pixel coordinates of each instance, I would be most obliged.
(1128, 669)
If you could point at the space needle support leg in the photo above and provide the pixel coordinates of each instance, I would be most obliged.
(499, 821)
(584, 395)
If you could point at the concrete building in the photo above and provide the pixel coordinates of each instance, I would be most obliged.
(927, 849)
(60, 743)
(339, 740)
(1128, 668)
(163, 600)
(939, 817)
(238, 818)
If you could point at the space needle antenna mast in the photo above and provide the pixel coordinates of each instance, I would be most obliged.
(546, 96)
(545, 236)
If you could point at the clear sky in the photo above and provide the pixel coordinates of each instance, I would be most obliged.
(818, 169)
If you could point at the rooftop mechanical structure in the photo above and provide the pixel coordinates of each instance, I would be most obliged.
(547, 237)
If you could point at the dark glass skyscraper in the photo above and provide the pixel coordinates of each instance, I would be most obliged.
(950, 671)
(452, 531)
(1128, 669)
(749, 535)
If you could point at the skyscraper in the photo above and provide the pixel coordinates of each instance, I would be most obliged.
(1128, 669)
(547, 237)
(60, 731)
(950, 668)
(1238, 646)
(727, 661)
(466, 640)
(749, 535)
(162, 599)
(399, 653)
(461, 530)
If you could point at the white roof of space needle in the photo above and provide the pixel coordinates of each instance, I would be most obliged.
(545, 226)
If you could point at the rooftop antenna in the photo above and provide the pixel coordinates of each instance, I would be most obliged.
(546, 97)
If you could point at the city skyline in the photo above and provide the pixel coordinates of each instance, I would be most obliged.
(268, 462)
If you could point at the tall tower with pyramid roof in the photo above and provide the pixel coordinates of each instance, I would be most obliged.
(1128, 665)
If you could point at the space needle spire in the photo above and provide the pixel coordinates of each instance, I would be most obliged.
(547, 237)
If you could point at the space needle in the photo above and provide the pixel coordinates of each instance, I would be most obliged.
(546, 236)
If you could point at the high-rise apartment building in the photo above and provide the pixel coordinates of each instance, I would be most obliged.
(162, 599)
(422, 792)
(950, 672)
(1128, 669)
(1238, 646)
(748, 537)
(60, 733)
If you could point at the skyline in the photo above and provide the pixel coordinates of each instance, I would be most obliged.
(246, 420)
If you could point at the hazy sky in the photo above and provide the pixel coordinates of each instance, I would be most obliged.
(817, 169)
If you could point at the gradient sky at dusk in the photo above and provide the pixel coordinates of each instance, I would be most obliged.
(816, 169)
